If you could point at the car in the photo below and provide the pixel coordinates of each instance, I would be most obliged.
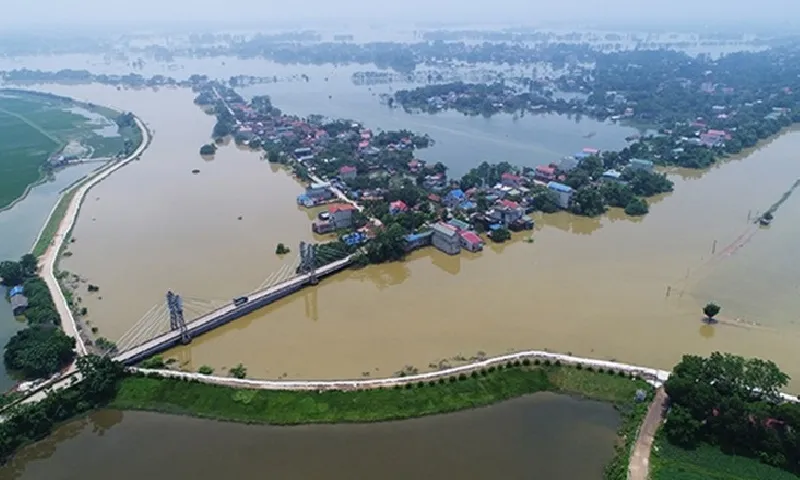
(238, 301)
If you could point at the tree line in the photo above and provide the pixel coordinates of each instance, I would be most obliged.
(735, 403)
(41, 348)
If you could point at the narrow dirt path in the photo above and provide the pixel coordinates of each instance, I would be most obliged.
(639, 466)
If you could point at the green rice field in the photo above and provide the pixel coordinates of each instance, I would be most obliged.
(708, 463)
(33, 127)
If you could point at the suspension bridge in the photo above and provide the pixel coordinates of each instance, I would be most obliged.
(179, 319)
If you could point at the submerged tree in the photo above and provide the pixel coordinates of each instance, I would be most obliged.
(711, 310)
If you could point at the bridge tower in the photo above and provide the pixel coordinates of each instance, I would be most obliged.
(176, 321)
(308, 261)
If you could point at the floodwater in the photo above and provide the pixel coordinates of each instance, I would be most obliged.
(535, 437)
(25, 219)
(595, 287)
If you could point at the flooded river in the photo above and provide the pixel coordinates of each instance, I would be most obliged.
(595, 287)
(536, 437)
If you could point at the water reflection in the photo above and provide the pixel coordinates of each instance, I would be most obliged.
(537, 437)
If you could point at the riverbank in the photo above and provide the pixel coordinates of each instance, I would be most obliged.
(69, 213)
(411, 399)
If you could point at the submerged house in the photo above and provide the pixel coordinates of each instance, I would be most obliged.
(18, 301)
(446, 238)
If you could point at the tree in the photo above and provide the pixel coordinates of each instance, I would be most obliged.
(208, 149)
(545, 201)
(588, 201)
(12, 273)
(39, 351)
(281, 249)
(637, 206)
(239, 371)
(711, 310)
(682, 429)
(29, 265)
(500, 235)
(388, 245)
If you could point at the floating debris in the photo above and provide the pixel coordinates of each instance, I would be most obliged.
(196, 171)
(240, 217)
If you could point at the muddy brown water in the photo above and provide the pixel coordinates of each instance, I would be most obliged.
(594, 287)
(544, 436)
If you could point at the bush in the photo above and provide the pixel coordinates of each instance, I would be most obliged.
(420, 384)
(600, 370)
(611, 371)
(579, 366)
(154, 362)
(474, 374)
(484, 372)
(462, 376)
(492, 369)
(281, 249)
(509, 364)
(589, 369)
(517, 363)
(558, 363)
(205, 370)
(537, 362)
(526, 362)
(239, 371)
(432, 383)
(408, 386)
(622, 373)
(452, 379)
(546, 362)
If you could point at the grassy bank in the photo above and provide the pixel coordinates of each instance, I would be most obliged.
(412, 400)
(669, 462)
(53, 221)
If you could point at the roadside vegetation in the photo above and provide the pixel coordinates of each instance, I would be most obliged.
(41, 349)
(458, 392)
(726, 416)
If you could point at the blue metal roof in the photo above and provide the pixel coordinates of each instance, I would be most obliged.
(457, 193)
(18, 290)
(559, 187)
(581, 155)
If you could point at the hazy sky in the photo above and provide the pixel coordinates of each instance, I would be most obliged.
(143, 13)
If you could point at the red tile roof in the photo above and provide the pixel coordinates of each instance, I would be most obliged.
(340, 207)
(509, 204)
(434, 198)
(471, 237)
(347, 169)
(545, 170)
(398, 205)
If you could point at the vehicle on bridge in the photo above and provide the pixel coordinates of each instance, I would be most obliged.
(239, 301)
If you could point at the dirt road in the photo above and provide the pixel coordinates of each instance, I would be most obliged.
(639, 466)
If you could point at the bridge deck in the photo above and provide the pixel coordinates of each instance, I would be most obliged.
(226, 313)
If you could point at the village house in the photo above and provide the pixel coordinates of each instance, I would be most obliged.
(459, 224)
(398, 206)
(510, 180)
(348, 172)
(414, 241)
(506, 212)
(18, 301)
(435, 182)
(611, 175)
(544, 173)
(639, 164)
(341, 215)
(568, 164)
(471, 241)
(564, 193)
(446, 238)
(454, 198)
(415, 165)
(314, 194)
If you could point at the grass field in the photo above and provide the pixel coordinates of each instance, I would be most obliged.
(708, 463)
(294, 407)
(32, 127)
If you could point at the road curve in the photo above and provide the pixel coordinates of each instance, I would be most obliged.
(47, 262)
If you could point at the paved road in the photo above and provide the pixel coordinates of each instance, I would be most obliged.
(47, 262)
(639, 466)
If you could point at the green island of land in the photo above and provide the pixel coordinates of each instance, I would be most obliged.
(36, 128)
